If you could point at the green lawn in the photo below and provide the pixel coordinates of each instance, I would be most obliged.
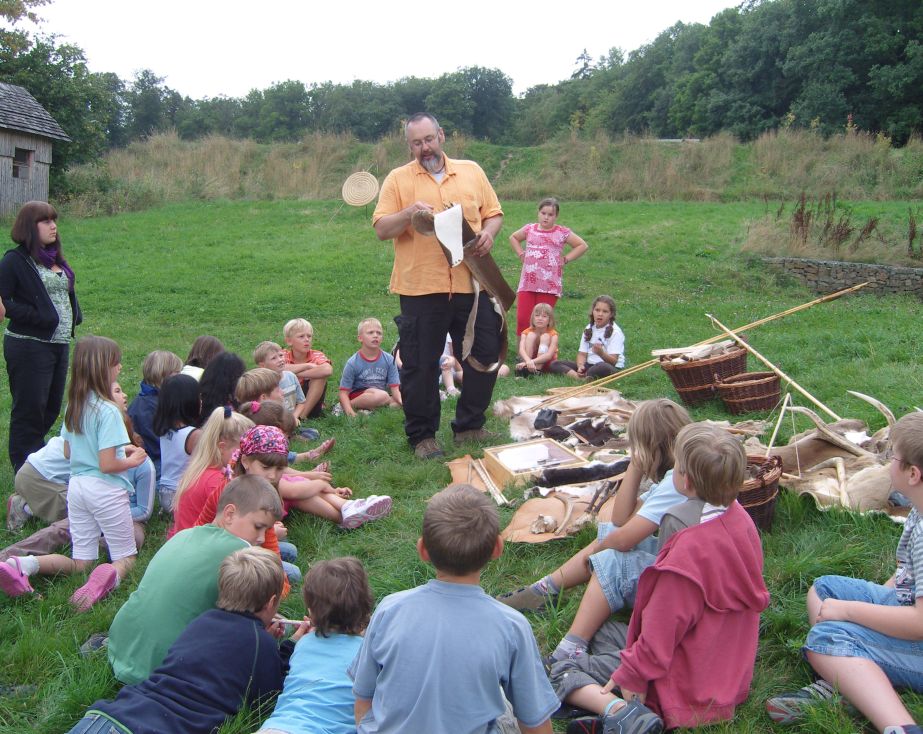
(239, 270)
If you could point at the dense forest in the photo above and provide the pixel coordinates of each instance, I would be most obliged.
(826, 65)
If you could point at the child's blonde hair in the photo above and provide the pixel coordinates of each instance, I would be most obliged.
(542, 309)
(296, 325)
(368, 322)
(248, 579)
(907, 439)
(256, 382)
(91, 372)
(714, 461)
(158, 366)
(222, 425)
(264, 350)
(652, 431)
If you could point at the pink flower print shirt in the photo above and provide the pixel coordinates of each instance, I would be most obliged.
(543, 265)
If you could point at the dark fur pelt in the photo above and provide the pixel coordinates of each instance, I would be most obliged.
(579, 474)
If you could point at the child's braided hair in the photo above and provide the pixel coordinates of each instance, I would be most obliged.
(588, 331)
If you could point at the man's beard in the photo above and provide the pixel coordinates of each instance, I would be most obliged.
(433, 164)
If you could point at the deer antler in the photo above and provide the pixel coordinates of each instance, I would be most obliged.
(831, 436)
(878, 405)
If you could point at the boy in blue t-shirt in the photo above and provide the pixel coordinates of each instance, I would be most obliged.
(370, 379)
(417, 669)
(866, 639)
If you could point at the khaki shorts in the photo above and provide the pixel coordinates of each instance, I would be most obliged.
(47, 500)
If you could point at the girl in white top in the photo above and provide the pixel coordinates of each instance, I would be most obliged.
(176, 421)
(602, 348)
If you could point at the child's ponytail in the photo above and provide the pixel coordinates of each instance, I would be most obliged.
(222, 425)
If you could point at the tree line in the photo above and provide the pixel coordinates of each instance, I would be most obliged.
(819, 64)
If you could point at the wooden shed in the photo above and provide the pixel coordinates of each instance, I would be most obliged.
(26, 135)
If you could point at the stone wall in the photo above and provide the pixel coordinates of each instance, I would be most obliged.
(826, 276)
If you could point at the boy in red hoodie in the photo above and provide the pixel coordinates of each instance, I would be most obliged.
(691, 643)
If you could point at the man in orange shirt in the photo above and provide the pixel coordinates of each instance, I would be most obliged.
(436, 298)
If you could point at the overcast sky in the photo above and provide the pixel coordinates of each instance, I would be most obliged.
(206, 48)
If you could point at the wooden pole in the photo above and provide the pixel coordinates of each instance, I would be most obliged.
(650, 363)
(775, 369)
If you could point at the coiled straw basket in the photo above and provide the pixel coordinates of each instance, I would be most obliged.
(759, 492)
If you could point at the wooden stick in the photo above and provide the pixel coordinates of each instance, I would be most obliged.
(775, 431)
(489, 483)
(650, 363)
(775, 369)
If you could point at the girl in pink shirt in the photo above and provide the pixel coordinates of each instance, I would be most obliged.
(543, 260)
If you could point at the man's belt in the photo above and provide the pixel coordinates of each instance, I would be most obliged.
(455, 236)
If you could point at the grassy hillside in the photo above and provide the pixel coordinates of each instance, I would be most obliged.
(778, 165)
(239, 269)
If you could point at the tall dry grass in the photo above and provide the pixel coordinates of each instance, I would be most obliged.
(780, 164)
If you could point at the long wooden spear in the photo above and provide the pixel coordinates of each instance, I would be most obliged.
(579, 390)
(775, 369)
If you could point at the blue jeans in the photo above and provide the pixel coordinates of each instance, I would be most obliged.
(96, 724)
(618, 571)
(901, 660)
(289, 553)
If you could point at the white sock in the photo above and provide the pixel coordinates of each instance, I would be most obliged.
(27, 564)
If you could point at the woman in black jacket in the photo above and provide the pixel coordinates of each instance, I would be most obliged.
(37, 289)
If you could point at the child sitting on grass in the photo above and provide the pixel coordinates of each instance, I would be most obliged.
(865, 638)
(318, 694)
(538, 344)
(625, 546)
(370, 378)
(691, 643)
(181, 580)
(224, 659)
(270, 355)
(418, 669)
(157, 367)
(261, 384)
(602, 346)
(311, 367)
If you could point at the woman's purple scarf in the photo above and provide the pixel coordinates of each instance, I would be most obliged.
(49, 256)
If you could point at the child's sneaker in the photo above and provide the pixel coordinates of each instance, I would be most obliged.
(790, 707)
(16, 513)
(337, 410)
(13, 582)
(633, 718)
(527, 599)
(103, 579)
(358, 512)
(308, 434)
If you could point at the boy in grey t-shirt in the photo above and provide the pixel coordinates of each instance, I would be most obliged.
(441, 657)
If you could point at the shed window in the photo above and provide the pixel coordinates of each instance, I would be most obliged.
(22, 163)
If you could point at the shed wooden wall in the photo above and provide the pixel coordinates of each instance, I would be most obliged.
(14, 192)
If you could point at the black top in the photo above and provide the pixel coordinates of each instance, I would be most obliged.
(29, 309)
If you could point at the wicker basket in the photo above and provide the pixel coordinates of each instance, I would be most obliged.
(695, 380)
(749, 391)
(758, 495)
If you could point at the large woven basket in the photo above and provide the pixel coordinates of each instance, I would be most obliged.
(695, 380)
(759, 493)
(749, 391)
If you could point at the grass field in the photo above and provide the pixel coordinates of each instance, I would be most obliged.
(239, 270)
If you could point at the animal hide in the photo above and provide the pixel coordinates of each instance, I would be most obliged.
(591, 472)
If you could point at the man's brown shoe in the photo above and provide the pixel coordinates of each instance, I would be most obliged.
(476, 435)
(428, 448)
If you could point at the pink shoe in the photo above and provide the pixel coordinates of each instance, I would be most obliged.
(358, 512)
(13, 581)
(102, 580)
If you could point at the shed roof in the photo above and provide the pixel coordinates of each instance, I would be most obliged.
(20, 111)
